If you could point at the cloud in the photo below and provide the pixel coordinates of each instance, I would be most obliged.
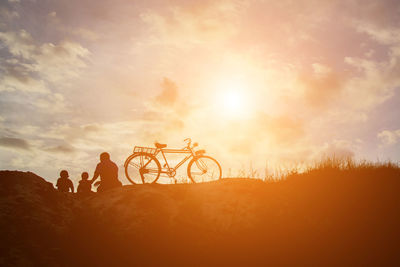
(52, 102)
(39, 71)
(322, 86)
(374, 84)
(339, 149)
(57, 63)
(7, 15)
(389, 137)
(12, 142)
(377, 75)
(34, 65)
(20, 43)
(169, 93)
(166, 109)
(193, 23)
(93, 127)
(284, 130)
(262, 131)
(374, 17)
(64, 148)
(85, 33)
(17, 77)
(385, 36)
(321, 70)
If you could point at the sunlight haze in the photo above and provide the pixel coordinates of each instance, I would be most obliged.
(265, 84)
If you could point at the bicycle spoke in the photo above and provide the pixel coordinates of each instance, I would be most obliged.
(204, 169)
(202, 165)
(134, 165)
(142, 168)
(147, 163)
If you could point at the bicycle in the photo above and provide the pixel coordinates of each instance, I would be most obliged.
(143, 166)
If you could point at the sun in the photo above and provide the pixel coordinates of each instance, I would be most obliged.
(232, 100)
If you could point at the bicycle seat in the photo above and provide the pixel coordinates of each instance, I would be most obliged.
(158, 145)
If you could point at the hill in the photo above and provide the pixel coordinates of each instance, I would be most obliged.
(326, 216)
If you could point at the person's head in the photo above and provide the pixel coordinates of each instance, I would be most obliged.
(64, 174)
(104, 156)
(85, 176)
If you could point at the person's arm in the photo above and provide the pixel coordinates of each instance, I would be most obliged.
(95, 175)
(72, 186)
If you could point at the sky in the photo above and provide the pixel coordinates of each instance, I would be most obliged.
(259, 84)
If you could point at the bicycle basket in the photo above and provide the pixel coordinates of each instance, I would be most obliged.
(148, 150)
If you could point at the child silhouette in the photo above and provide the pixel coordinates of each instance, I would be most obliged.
(85, 186)
(64, 184)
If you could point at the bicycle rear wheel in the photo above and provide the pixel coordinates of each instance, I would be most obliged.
(142, 168)
(204, 169)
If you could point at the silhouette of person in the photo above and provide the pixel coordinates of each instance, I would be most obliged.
(64, 184)
(108, 172)
(85, 186)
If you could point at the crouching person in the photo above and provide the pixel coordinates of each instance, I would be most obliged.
(108, 172)
(64, 184)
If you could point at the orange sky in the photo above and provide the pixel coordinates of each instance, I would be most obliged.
(254, 82)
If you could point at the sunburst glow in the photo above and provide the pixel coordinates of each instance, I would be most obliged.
(233, 100)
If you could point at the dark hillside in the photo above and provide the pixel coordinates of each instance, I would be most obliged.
(327, 216)
(34, 218)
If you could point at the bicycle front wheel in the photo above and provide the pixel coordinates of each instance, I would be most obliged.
(142, 168)
(204, 169)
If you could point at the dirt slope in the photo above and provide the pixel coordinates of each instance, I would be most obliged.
(332, 218)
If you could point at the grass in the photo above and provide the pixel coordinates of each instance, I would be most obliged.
(323, 166)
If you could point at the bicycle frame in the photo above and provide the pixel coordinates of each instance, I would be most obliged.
(169, 170)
